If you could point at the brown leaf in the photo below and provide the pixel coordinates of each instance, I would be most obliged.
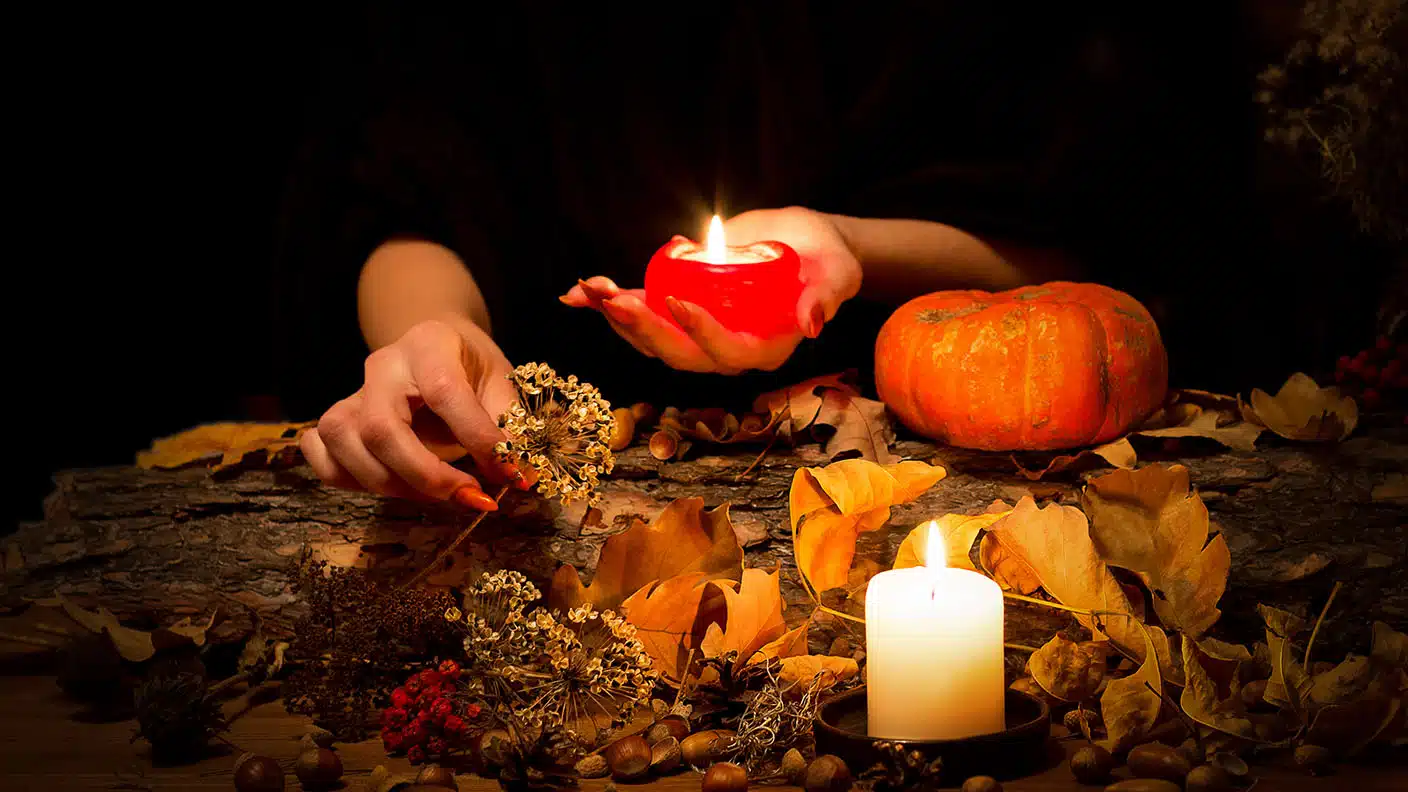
(715, 425)
(683, 539)
(798, 672)
(857, 427)
(956, 535)
(230, 441)
(1055, 544)
(1149, 522)
(1130, 705)
(136, 645)
(800, 404)
(1374, 716)
(1288, 683)
(1302, 410)
(1345, 682)
(1202, 702)
(1389, 647)
(754, 617)
(790, 644)
(830, 507)
(1006, 567)
(1209, 424)
(1118, 453)
(671, 617)
(1068, 670)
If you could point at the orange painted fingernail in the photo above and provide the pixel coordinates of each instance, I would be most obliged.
(818, 319)
(621, 315)
(680, 311)
(475, 498)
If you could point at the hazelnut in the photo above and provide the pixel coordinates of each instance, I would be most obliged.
(1208, 778)
(1156, 760)
(1144, 785)
(318, 768)
(624, 429)
(794, 764)
(1189, 750)
(702, 749)
(492, 748)
(258, 774)
(668, 726)
(981, 784)
(1313, 759)
(628, 758)
(437, 776)
(1092, 764)
(827, 773)
(665, 756)
(593, 766)
(724, 777)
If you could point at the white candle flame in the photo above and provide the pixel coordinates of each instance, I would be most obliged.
(716, 250)
(934, 553)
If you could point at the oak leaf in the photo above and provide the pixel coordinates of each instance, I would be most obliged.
(1211, 425)
(790, 644)
(832, 410)
(956, 534)
(716, 425)
(1118, 453)
(684, 538)
(831, 506)
(797, 406)
(754, 617)
(1149, 522)
(1008, 568)
(1202, 701)
(671, 617)
(231, 441)
(1302, 410)
(1130, 705)
(797, 673)
(136, 645)
(1067, 670)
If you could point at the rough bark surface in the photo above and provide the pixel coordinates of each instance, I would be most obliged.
(159, 545)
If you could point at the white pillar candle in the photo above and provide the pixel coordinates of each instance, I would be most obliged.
(933, 652)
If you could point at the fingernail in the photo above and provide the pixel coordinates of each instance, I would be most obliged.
(818, 318)
(475, 498)
(621, 315)
(514, 475)
(680, 311)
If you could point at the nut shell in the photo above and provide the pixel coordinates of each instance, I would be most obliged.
(258, 774)
(665, 756)
(593, 766)
(724, 777)
(1156, 760)
(827, 773)
(628, 758)
(437, 776)
(668, 726)
(318, 768)
(624, 429)
(794, 764)
(1144, 785)
(702, 749)
(663, 444)
(1091, 764)
(981, 784)
(1208, 778)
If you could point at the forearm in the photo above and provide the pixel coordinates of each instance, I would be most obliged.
(901, 258)
(405, 282)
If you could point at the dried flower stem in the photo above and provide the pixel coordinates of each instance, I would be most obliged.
(1311, 643)
(452, 546)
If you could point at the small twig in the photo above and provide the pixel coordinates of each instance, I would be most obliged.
(1019, 647)
(772, 438)
(452, 546)
(27, 639)
(1311, 643)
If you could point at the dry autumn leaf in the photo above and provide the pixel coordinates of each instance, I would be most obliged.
(136, 645)
(683, 539)
(831, 506)
(1377, 712)
(671, 618)
(1008, 568)
(832, 409)
(1202, 702)
(1150, 522)
(754, 617)
(1130, 705)
(797, 406)
(716, 425)
(956, 535)
(1118, 453)
(230, 441)
(790, 644)
(1288, 682)
(1211, 425)
(797, 673)
(1302, 410)
(1067, 670)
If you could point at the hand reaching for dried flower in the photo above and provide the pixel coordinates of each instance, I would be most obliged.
(429, 398)
(829, 268)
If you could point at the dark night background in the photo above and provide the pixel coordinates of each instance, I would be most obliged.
(164, 181)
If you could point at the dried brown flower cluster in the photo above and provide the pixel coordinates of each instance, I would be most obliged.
(1338, 96)
(562, 429)
(583, 672)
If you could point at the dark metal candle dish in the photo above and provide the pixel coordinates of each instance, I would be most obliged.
(1019, 750)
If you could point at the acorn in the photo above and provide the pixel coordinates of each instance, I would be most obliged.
(1313, 759)
(981, 784)
(724, 777)
(827, 773)
(664, 443)
(437, 776)
(1092, 764)
(1208, 778)
(628, 758)
(1144, 785)
(665, 756)
(1074, 718)
(593, 766)
(318, 768)
(794, 764)
(668, 726)
(258, 774)
(623, 430)
(1156, 760)
(702, 749)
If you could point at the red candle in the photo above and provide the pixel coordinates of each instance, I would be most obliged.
(748, 288)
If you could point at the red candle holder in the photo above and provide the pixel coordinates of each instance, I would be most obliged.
(748, 288)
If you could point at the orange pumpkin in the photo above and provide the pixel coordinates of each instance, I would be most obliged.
(1047, 367)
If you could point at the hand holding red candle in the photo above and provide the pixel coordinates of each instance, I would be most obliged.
(773, 277)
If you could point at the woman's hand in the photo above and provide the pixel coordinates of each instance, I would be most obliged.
(830, 271)
(429, 397)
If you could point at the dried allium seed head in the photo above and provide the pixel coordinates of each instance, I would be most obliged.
(562, 428)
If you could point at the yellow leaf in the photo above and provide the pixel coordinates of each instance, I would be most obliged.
(671, 617)
(1007, 568)
(683, 539)
(1375, 715)
(831, 506)
(754, 617)
(790, 644)
(1201, 701)
(231, 441)
(1130, 705)
(1149, 522)
(1302, 410)
(957, 533)
(1208, 424)
(1054, 543)
(799, 672)
(1068, 670)
(1288, 683)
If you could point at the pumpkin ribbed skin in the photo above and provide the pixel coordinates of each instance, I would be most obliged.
(1045, 367)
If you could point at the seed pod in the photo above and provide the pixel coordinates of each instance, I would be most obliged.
(702, 749)
(724, 777)
(794, 764)
(663, 444)
(668, 726)
(628, 758)
(827, 773)
(1156, 760)
(1092, 764)
(665, 756)
(1208, 778)
(624, 429)
(593, 766)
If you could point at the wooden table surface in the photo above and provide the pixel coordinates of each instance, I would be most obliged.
(44, 747)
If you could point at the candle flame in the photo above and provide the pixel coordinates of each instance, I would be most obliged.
(934, 553)
(716, 250)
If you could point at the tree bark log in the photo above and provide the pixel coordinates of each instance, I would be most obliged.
(158, 545)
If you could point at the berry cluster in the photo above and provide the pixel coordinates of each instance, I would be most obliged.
(426, 720)
(1377, 377)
